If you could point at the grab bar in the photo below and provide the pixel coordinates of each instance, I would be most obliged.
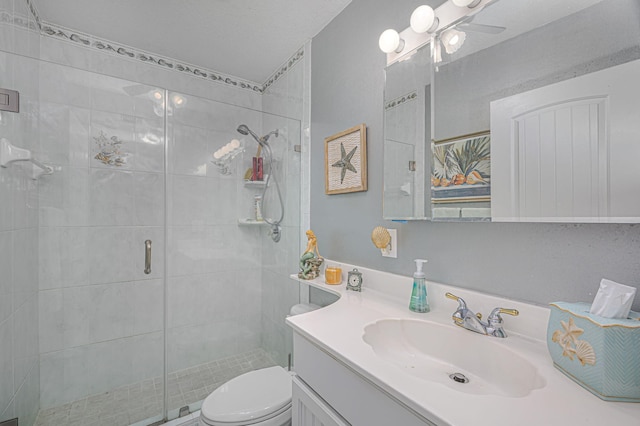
(147, 257)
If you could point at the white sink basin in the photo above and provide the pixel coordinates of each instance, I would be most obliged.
(433, 352)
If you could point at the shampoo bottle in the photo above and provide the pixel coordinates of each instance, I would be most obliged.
(419, 295)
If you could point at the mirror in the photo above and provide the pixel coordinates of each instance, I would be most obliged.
(556, 83)
(407, 127)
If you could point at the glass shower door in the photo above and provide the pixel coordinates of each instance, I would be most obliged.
(102, 249)
(222, 302)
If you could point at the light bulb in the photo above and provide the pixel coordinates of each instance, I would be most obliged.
(390, 41)
(156, 95)
(466, 3)
(452, 40)
(424, 19)
(177, 100)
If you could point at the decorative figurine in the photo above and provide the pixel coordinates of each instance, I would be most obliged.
(354, 282)
(310, 260)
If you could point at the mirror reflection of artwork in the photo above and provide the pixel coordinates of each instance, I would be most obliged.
(461, 169)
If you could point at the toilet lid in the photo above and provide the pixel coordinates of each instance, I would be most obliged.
(249, 397)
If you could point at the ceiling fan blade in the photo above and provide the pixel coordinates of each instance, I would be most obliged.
(482, 28)
(136, 89)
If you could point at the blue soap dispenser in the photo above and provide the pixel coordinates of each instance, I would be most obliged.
(419, 301)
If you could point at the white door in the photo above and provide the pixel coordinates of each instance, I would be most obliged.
(568, 152)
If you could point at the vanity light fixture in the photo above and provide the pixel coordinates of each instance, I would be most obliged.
(466, 3)
(390, 41)
(424, 19)
(452, 40)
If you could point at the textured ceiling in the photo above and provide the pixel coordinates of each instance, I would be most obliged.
(249, 39)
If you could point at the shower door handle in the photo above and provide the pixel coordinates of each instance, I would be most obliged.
(147, 257)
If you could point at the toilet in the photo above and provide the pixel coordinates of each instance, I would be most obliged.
(257, 398)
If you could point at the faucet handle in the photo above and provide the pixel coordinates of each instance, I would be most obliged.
(460, 300)
(495, 314)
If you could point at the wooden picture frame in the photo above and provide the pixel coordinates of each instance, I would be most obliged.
(461, 169)
(345, 161)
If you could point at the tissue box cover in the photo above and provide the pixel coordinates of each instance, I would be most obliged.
(601, 354)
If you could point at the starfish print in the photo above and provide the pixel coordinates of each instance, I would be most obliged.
(345, 162)
(571, 332)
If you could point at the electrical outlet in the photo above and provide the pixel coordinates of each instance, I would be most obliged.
(392, 248)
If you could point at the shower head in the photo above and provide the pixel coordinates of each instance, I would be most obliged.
(243, 129)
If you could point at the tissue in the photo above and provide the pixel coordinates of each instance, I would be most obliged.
(613, 300)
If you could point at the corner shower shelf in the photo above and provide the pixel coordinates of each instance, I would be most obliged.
(251, 222)
(11, 154)
(254, 183)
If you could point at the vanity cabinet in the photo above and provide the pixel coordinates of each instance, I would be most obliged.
(311, 410)
(334, 394)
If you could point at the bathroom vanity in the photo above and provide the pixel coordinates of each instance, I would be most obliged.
(368, 360)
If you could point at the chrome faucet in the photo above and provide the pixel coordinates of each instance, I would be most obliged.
(464, 318)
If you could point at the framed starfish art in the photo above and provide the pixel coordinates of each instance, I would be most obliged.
(345, 161)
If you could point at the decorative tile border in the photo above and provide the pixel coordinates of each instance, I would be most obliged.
(52, 30)
(400, 100)
(18, 21)
(283, 69)
(34, 12)
(132, 53)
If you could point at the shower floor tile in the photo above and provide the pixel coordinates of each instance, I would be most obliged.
(134, 403)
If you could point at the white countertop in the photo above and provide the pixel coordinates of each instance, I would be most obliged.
(338, 330)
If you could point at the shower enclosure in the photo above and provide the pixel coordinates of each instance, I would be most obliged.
(149, 287)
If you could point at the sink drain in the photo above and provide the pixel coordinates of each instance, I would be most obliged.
(459, 378)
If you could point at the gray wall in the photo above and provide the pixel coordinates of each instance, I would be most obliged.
(533, 262)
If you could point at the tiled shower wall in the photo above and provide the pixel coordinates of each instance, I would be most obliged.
(101, 317)
(216, 295)
(286, 98)
(19, 369)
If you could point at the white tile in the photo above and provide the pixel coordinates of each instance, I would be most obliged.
(64, 198)
(112, 254)
(6, 281)
(109, 365)
(6, 363)
(27, 399)
(110, 94)
(23, 205)
(146, 299)
(193, 345)
(25, 271)
(192, 200)
(149, 195)
(188, 251)
(150, 144)
(61, 84)
(111, 197)
(187, 150)
(64, 256)
(25, 344)
(6, 195)
(6, 37)
(64, 376)
(51, 316)
(223, 194)
(147, 357)
(96, 313)
(202, 298)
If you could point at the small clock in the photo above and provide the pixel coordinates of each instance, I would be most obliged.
(354, 282)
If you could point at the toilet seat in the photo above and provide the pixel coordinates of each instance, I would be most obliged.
(253, 397)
